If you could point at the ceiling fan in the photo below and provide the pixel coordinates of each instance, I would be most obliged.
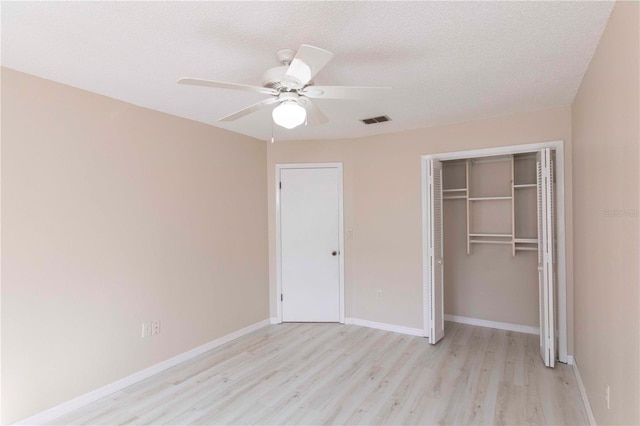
(291, 87)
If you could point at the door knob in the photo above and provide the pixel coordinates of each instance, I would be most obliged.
(333, 253)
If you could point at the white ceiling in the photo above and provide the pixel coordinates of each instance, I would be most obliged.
(446, 61)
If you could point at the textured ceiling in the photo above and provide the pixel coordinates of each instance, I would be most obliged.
(446, 61)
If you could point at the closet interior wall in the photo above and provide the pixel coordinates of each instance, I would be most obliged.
(490, 239)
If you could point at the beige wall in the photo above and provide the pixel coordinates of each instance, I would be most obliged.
(605, 118)
(113, 215)
(382, 193)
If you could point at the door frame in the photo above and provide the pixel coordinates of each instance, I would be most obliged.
(562, 301)
(280, 167)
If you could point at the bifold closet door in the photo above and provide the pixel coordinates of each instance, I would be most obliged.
(546, 264)
(435, 248)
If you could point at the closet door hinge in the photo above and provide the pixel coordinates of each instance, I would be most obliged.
(281, 297)
(280, 185)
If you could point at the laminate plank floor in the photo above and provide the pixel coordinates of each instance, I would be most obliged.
(345, 374)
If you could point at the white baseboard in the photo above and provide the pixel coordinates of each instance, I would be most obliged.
(69, 406)
(493, 324)
(274, 320)
(583, 392)
(570, 360)
(384, 326)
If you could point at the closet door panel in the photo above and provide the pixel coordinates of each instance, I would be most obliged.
(546, 264)
(435, 273)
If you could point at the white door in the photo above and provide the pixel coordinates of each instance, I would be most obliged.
(546, 264)
(310, 244)
(435, 273)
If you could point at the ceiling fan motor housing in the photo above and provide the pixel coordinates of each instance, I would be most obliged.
(272, 78)
(275, 78)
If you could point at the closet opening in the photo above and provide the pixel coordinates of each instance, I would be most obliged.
(493, 242)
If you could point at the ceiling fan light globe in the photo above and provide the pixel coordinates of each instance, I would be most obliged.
(289, 114)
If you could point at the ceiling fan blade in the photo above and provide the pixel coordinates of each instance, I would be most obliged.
(314, 115)
(249, 110)
(346, 92)
(307, 62)
(223, 85)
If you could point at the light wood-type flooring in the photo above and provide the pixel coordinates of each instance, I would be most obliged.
(336, 374)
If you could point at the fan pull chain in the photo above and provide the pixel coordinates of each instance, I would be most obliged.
(272, 140)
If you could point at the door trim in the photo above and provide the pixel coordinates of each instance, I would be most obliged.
(280, 167)
(562, 301)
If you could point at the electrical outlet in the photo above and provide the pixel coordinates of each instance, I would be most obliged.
(155, 327)
(607, 395)
(146, 329)
(349, 234)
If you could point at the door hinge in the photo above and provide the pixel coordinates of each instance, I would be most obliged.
(280, 185)
(281, 297)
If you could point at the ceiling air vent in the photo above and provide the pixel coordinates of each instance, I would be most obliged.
(375, 120)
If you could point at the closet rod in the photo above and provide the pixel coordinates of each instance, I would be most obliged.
(491, 159)
(489, 242)
(489, 198)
